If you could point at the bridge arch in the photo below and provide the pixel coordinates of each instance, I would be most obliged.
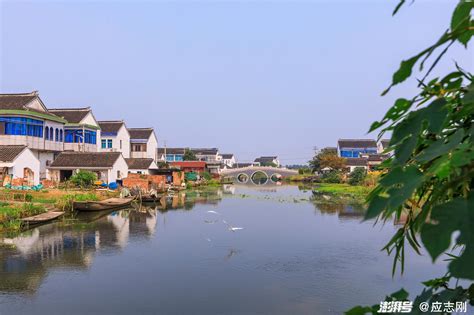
(259, 177)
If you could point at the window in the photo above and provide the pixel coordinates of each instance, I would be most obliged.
(57, 135)
(103, 143)
(61, 135)
(22, 126)
(46, 133)
(51, 134)
(109, 143)
(75, 136)
(120, 144)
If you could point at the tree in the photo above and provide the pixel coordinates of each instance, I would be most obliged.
(327, 157)
(357, 176)
(189, 155)
(84, 179)
(430, 177)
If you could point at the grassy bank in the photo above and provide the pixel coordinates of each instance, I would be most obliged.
(341, 192)
(11, 213)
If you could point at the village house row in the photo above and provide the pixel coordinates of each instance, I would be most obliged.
(39, 143)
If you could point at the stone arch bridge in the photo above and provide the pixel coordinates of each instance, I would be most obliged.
(257, 174)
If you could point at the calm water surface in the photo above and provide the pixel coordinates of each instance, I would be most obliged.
(292, 257)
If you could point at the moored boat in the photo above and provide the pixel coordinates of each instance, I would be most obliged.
(108, 204)
(42, 218)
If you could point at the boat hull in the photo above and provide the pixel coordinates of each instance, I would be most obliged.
(109, 204)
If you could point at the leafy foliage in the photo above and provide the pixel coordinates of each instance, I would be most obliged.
(84, 178)
(189, 155)
(327, 157)
(357, 176)
(332, 177)
(430, 177)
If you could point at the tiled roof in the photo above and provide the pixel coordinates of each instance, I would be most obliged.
(8, 153)
(139, 164)
(16, 101)
(376, 157)
(357, 143)
(171, 150)
(265, 159)
(227, 156)
(356, 162)
(205, 151)
(110, 127)
(86, 159)
(72, 115)
(182, 164)
(140, 133)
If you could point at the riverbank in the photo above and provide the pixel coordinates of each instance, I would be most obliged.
(341, 192)
(11, 214)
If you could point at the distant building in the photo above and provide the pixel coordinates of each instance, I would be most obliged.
(228, 159)
(143, 142)
(81, 132)
(190, 166)
(114, 137)
(353, 163)
(171, 154)
(18, 163)
(145, 166)
(207, 154)
(109, 166)
(25, 120)
(353, 148)
(268, 161)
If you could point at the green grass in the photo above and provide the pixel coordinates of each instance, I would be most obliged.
(343, 189)
(10, 214)
(65, 202)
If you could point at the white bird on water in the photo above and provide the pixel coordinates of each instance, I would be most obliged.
(212, 211)
(232, 228)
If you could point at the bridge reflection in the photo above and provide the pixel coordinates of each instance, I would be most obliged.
(257, 175)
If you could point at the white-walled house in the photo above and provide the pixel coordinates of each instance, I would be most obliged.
(114, 137)
(19, 162)
(210, 155)
(25, 120)
(141, 166)
(109, 166)
(82, 131)
(143, 143)
(228, 159)
(267, 160)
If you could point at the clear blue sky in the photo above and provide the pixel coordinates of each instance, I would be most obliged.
(252, 78)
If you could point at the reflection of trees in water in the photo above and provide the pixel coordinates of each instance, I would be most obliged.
(342, 210)
(26, 259)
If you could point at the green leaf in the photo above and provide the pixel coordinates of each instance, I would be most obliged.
(461, 20)
(455, 215)
(360, 310)
(469, 96)
(440, 147)
(400, 295)
(398, 7)
(376, 206)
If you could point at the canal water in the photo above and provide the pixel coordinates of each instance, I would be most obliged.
(292, 256)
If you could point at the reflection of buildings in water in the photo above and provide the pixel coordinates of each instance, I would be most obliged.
(187, 200)
(228, 189)
(142, 223)
(26, 259)
(343, 211)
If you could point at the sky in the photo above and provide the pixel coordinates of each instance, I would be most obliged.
(249, 77)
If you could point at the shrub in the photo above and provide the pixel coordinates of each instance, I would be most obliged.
(84, 179)
(333, 177)
(357, 176)
(206, 175)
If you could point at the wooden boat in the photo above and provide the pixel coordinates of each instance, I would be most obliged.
(108, 204)
(42, 218)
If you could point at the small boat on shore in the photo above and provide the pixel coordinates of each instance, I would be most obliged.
(108, 204)
(42, 218)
